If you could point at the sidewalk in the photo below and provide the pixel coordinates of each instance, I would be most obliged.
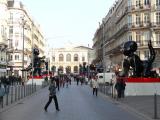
(142, 104)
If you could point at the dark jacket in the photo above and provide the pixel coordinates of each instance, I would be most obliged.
(52, 89)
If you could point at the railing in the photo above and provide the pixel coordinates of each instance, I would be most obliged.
(17, 92)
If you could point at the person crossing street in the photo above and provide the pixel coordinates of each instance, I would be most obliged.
(52, 95)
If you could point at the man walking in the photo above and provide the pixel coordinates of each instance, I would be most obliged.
(52, 95)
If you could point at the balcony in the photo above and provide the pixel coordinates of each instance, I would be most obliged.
(140, 7)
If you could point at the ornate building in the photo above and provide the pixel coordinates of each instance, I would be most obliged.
(3, 37)
(137, 20)
(24, 34)
(70, 58)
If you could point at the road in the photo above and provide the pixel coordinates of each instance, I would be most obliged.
(76, 103)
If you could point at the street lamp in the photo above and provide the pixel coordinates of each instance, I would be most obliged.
(103, 48)
(23, 27)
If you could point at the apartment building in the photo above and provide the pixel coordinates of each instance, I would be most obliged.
(137, 20)
(3, 37)
(24, 34)
(70, 57)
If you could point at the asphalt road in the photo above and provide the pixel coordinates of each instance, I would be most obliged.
(75, 102)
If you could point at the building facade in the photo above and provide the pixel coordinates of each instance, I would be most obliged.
(137, 20)
(24, 34)
(3, 37)
(70, 58)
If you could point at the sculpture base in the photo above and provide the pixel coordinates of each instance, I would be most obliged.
(142, 80)
(142, 86)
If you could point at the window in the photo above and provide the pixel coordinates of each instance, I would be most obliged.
(68, 69)
(53, 58)
(10, 29)
(16, 57)
(146, 36)
(61, 57)
(157, 38)
(146, 54)
(130, 36)
(138, 19)
(158, 17)
(75, 69)
(75, 57)
(146, 18)
(129, 2)
(129, 19)
(11, 57)
(146, 2)
(68, 57)
(157, 2)
(138, 38)
(138, 3)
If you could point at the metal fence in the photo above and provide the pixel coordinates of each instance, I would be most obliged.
(18, 92)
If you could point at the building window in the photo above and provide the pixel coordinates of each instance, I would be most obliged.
(68, 69)
(158, 17)
(53, 58)
(146, 36)
(138, 19)
(138, 3)
(130, 19)
(11, 57)
(130, 36)
(146, 54)
(75, 69)
(16, 57)
(158, 38)
(138, 38)
(10, 29)
(129, 2)
(68, 57)
(146, 18)
(61, 57)
(75, 57)
(157, 2)
(146, 2)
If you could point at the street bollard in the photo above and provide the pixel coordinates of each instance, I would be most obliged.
(22, 91)
(11, 94)
(155, 106)
(7, 99)
(16, 93)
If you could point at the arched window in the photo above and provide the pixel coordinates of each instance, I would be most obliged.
(68, 57)
(75, 57)
(60, 57)
(75, 69)
(60, 69)
(68, 69)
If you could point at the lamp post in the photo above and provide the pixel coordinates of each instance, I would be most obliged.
(103, 49)
(23, 27)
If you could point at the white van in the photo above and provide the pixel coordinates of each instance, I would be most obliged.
(105, 77)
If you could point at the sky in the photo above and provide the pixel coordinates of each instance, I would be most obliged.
(68, 21)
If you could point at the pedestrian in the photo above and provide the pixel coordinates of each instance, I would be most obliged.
(120, 87)
(57, 82)
(95, 85)
(52, 95)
